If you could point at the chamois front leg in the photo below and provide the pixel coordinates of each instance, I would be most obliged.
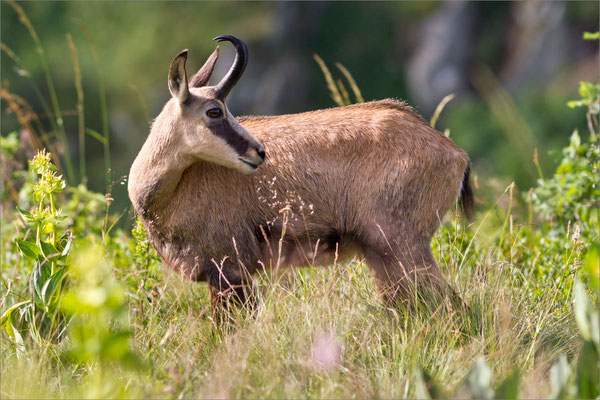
(229, 288)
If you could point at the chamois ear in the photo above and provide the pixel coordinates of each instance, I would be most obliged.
(203, 75)
(178, 85)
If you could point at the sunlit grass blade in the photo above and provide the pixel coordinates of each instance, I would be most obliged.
(351, 82)
(343, 92)
(333, 89)
(439, 108)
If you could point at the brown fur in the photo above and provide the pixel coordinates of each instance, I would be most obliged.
(370, 179)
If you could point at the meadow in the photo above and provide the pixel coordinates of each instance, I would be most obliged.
(87, 310)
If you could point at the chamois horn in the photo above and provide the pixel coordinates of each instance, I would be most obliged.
(237, 69)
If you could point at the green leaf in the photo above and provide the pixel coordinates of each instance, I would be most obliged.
(115, 346)
(28, 249)
(509, 388)
(6, 317)
(584, 89)
(20, 345)
(587, 376)
(6, 322)
(591, 266)
(576, 103)
(67, 248)
(48, 249)
(39, 275)
(51, 284)
(585, 315)
(26, 215)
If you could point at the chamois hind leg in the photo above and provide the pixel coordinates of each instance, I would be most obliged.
(405, 270)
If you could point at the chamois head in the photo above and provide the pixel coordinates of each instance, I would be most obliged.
(199, 120)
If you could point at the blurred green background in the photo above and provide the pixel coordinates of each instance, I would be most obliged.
(512, 66)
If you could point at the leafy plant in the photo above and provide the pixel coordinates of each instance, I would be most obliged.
(573, 194)
(46, 258)
(144, 253)
(99, 331)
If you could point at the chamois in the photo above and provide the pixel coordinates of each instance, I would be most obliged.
(222, 197)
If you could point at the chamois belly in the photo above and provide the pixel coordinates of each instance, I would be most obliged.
(299, 248)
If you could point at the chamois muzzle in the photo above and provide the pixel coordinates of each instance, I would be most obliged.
(237, 69)
(254, 157)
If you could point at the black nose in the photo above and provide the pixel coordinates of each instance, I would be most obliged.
(261, 153)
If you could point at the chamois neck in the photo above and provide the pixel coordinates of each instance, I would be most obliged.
(155, 174)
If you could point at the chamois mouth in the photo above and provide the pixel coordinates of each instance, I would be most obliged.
(251, 165)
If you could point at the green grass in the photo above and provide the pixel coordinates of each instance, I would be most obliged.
(370, 350)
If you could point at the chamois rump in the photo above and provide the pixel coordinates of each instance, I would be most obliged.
(222, 197)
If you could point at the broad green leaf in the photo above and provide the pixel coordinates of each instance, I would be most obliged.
(587, 376)
(48, 249)
(592, 267)
(39, 275)
(509, 388)
(7, 315)
(585, 315)
(115, 345)
(53, 282)
(20, 345)
(28, 249)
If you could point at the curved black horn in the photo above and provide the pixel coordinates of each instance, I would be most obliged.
(238, 67)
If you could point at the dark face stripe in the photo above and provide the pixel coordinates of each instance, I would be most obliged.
(224, 130)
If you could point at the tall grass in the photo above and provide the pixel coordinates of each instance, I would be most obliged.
(80, 107)
(506, 112)
(39, 136)
(337, 90)
(324, 333)
(57, 120)
(102, 98)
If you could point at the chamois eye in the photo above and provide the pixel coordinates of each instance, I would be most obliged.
(214, 113)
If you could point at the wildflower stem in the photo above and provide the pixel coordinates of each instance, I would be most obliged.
(53, 213)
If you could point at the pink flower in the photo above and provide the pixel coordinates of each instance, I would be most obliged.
(326, 351)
